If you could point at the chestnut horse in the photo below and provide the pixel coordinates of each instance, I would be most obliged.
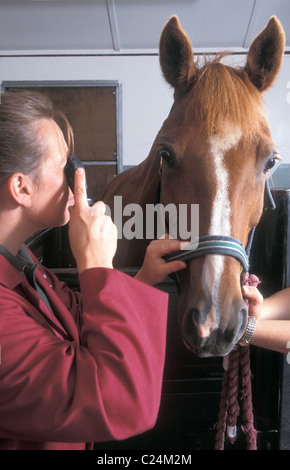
(215, 149)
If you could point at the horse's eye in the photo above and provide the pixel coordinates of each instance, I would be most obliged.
(271, 163)
(166, 156)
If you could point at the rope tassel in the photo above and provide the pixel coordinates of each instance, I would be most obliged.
(237, 372)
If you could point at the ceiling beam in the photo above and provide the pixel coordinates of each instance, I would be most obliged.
(113, 24)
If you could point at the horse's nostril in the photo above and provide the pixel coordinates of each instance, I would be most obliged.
(198, 327)
(204, 322)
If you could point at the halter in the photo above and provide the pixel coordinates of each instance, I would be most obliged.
(219, 244)
(213, 245)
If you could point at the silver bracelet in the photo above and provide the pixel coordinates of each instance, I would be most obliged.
(247, 336)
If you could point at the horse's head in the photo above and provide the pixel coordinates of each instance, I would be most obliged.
(216, 150)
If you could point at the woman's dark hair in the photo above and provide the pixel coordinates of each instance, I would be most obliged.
(22, 148)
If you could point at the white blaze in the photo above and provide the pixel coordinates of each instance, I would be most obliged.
(220, 223)
(221, 210)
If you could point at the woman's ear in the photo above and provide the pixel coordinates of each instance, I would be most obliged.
(20, 188)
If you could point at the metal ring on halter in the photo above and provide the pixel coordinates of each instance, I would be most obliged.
(213, 245)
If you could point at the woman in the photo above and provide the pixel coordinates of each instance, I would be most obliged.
(75, 367)
(268, 325)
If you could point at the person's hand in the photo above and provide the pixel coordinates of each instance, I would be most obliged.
(255, 299)
(92, 234)
(155, 268)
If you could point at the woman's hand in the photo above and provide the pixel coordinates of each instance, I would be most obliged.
(255, 299)
(92, 234)
(155, 268)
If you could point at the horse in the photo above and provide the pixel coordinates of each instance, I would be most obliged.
(214, 149)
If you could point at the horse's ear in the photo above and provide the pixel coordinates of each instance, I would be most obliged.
(175, 55)
(265, 55)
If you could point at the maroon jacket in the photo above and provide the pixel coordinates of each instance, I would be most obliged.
(91, 371)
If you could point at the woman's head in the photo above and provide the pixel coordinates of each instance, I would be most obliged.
(34, 144)
(22, 147)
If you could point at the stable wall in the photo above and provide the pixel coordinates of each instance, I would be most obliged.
(146, 97)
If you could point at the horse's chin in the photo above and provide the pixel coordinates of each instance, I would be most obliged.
(210, 350)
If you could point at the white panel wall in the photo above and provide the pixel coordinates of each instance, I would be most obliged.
(278, 102)
(146, 97)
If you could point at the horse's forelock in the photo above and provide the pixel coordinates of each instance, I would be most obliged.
(223, 94)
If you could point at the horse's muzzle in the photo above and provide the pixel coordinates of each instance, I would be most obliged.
(207, 335)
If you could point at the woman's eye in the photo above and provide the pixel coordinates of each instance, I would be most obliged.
(166, 156)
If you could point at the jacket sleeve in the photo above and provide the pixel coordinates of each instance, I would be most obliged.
(105, 387)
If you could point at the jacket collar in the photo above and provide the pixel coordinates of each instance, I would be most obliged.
(12, 267)
(12, 275)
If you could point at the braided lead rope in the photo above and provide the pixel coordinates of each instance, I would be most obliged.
(248, 415)
(228, 408)
(233, 402)
(221, 424)
(237, 361)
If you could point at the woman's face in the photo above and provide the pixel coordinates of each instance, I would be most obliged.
(52, 197)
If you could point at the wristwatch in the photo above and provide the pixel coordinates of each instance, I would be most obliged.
(247, 336)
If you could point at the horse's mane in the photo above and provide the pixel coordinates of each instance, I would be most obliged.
(224, 96)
